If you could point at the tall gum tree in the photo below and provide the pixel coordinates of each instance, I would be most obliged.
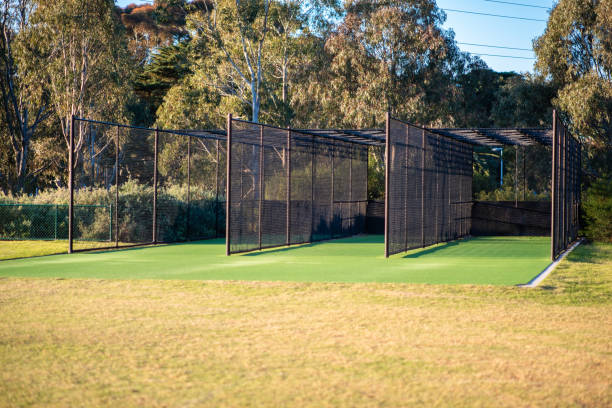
(238, 29)
(575, 51)
(24, 103)
(81, 53)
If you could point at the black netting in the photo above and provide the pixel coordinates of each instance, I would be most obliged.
(289, 187)
(429, 188)
(170, 186)
(94, 184)
(565, 189)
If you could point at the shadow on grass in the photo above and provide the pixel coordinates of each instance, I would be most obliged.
(432, 250)
(589, 253)
(211, 241)
(359, 239)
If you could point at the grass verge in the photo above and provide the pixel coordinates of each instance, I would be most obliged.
(75, 342)
(26, 249)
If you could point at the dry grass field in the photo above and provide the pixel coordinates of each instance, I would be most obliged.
(78, 342)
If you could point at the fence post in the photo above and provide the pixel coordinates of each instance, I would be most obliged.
(117, 188)
(288, 238)
(110, 222)
(406, 194)
(71, 186)
(423, 189)
(261, 181)
(524, 177)
(155, 150)
(553, 189)
(351, 204)
(228, 194)
(217, 190)
(312, 190)
(516, 148)
(55, 227)
(333, 198)
(387, 172)
(187, 233)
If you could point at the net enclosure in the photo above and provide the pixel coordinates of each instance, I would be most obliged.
(132, 186)
(288, 186)
(565, 198)
(263, 186)
(429, 182)
(429, 187)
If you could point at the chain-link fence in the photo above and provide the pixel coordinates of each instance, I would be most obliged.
(566, 164)
(133, 185)
(20, 221)
(290, 187)
(429, 188)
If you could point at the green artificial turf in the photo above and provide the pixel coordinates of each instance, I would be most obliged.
(483, 260)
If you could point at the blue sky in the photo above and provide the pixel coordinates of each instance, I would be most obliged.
(488, 30)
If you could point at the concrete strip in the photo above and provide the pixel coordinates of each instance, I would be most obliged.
(542, 275)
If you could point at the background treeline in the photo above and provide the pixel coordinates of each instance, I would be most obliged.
(319, 63)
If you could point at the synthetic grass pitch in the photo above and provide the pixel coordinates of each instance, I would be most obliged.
(483, 260)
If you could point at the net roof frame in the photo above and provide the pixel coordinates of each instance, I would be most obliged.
(490, 137)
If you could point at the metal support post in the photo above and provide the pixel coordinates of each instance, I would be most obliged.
(187, 219)
(387, 168)
(155, 151)
(261, 181)
(217, 190)
(288, 232)
(553, 190)
(117, 188)
(423, 189)
(228, 195)
(71, 187)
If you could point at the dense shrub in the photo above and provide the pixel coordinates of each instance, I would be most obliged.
(597, 210)
(94, 214)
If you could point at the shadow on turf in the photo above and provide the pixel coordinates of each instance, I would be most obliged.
(432, 250)
(211, 241)
(362, 239)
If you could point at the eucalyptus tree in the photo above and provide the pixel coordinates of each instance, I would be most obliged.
(24, 102)
(385, 55)
(238, 30)
(79, 50)
(575, 51)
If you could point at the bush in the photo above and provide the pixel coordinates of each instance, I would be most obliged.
(597, 211)
(94, 214)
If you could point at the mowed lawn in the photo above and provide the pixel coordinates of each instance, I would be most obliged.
(483, 260)
(10, 249)
(97, 342)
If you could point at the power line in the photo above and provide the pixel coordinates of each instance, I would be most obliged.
(496, 46)
(502, 56)
(494, 15)
(517, 4)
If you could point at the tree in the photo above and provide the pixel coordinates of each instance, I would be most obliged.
(79, 49)
(150, 27)
(168, 66)
(238, 31)
(385, 55)
(24, 103)
(575, 51)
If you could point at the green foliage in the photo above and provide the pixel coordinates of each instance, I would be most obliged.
(94, 209)
(597, 208)
(576, 52)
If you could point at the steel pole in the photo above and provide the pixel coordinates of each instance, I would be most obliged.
(155, 151)
(71, 187)
(387, 183)
(228, 194)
